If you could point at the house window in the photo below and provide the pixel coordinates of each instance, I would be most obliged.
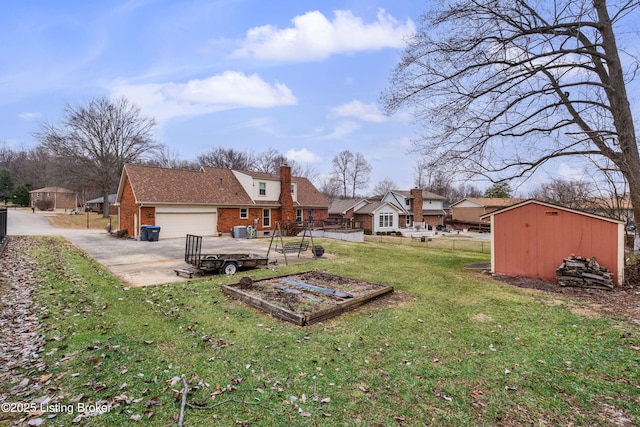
(263, 188)
(293, 189)
(298, 215)
(386, 220)
(407, 202)
(244, 213)
(266, 218)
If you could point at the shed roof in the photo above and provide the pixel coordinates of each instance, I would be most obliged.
(552, 206)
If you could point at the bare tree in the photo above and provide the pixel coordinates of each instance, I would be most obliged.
(352, 171)
(384, 186)
(570, 193)
(505, 86)
(98, 138)
(227, 158)
(165, 158)
(341, 167)
(420, 170)
(359, 175)
(269, 161)
(330, 186)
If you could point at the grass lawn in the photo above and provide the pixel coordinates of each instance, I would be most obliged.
(450, 347)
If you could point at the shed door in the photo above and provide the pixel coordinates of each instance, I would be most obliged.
(180, 223)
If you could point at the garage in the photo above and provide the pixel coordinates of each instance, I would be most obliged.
(178, 221)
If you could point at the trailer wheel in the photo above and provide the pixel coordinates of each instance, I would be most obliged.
(230, 268)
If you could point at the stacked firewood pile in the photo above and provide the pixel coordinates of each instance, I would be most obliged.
(584, 273)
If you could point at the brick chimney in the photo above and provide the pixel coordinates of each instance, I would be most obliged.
(285, 199)
(416, 205)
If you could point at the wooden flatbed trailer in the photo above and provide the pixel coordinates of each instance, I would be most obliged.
(219, 263)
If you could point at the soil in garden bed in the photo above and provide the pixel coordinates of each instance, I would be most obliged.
(283, 292)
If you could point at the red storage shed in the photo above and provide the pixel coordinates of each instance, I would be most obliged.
(531, 238)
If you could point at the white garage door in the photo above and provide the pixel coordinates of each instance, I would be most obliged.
(179, 223)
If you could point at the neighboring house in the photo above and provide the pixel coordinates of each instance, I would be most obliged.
(378, 217)
(96, 205)
(53, 198)
(342, 212)
(397, 210)
(211, 201)
(531, 238)
(471, 209)
(421, 208)
(618, 208)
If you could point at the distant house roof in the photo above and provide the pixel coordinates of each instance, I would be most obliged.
(52, 190)
(341, 206)
(428, 195)
(489, 201)
(112, 199)
(207, 185)
(372, 207)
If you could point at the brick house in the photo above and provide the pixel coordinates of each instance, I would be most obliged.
(472, 208)
(97, 205)
(395, 211)
(53, 198)
(211, 201)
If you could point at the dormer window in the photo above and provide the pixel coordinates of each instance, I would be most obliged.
(262, 188)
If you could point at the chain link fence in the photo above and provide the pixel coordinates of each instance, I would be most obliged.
(468, 244)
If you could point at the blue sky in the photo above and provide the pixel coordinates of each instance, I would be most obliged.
(302, 77)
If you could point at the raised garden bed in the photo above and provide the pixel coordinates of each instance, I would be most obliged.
(306, 298)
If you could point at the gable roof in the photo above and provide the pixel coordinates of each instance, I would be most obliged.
(52, 190)
(112, 199)
(372, 207)
(208, 185)
(151, 184)
(341, 206)
(552, 206)
(490, 201)
(428, 195)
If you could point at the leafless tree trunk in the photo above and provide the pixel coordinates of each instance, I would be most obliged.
(341, 167)
(352, 171)
(98, 139)
(503, 87)
(359, 173)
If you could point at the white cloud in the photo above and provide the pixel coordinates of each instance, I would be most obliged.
(303, 156)
(314, 37)
(224, 91)
(567, 172)
(360, 111)
(27, 115)
(342, 130)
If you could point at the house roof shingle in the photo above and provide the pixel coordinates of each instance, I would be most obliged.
(339, 207)
(208, 185)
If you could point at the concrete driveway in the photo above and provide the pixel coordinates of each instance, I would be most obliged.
(140, 263)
